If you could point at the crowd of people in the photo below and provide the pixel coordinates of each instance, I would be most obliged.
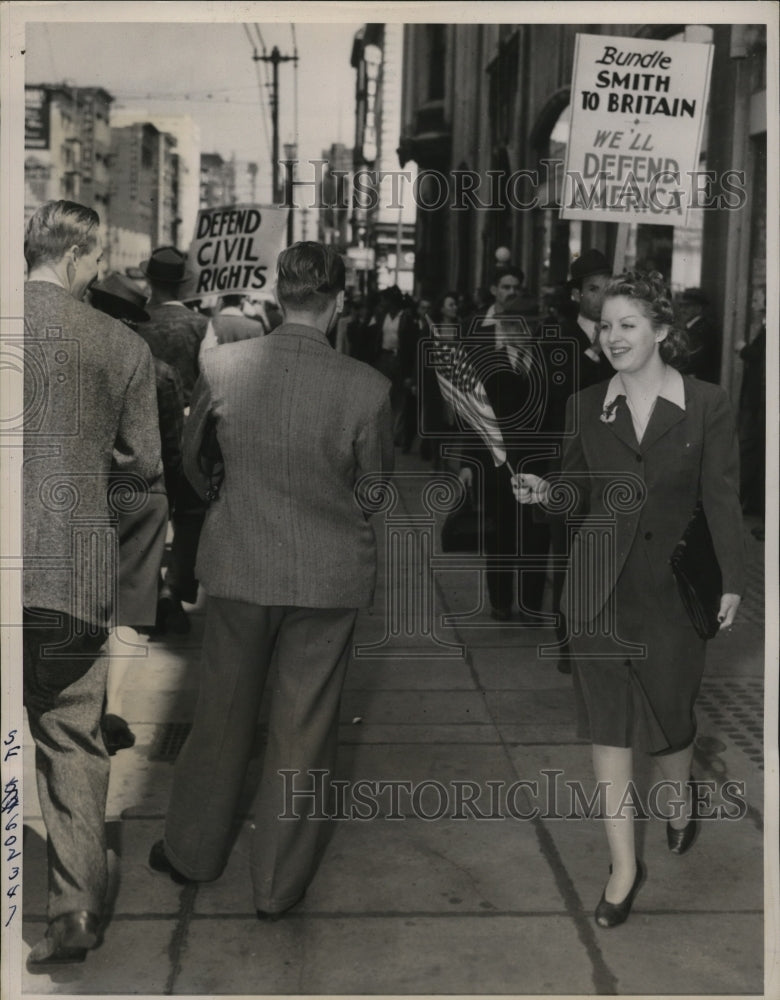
(250, 428)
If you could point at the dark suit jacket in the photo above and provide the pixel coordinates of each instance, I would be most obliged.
(704, 345)
(298, 425)
(651, 488)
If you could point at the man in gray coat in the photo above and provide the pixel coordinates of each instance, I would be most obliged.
(91, 450)
(287, 557)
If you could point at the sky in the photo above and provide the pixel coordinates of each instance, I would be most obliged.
(206, 70)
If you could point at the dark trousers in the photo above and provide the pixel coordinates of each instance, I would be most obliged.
(188, 517)
(516, 543)
(312, 648)
(64, 688)
(389, 365)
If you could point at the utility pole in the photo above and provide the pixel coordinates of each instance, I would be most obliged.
(274, 59)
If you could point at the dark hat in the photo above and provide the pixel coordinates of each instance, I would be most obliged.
(695, 296)
(167, 264)
(120, 297)
(589, 262)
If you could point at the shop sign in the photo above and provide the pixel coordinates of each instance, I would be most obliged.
(234, 249)
(637, 116)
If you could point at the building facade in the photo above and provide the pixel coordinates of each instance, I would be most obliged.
(383, 207)
(490, 99)
(144, 193)
(67, 146)
(186, 181)
(217, 181)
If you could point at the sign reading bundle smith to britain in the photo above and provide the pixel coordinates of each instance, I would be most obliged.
(234, 248)
(637, 114)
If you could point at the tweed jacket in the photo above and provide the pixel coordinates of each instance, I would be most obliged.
(648, 491)
(174, 334)
(91, 424)
(297, 424)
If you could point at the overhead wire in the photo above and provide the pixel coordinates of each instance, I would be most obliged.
(260, 86)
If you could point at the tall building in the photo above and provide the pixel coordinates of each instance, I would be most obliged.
(67, 145)
(514, 116)
(383, 215)
(333, 225)
(144, 199)
(217, 181)
(95, 109)
(246, 181)
(186, 132)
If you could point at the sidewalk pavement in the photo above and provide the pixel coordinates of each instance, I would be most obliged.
(407, 905)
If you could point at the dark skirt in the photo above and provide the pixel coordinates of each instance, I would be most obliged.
(638, 671)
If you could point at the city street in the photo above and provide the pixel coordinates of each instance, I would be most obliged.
(499, 899)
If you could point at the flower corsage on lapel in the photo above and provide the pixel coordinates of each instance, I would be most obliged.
(609, 412)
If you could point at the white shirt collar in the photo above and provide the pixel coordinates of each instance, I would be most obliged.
(673, 389)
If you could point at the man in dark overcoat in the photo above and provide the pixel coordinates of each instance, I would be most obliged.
(287, 557)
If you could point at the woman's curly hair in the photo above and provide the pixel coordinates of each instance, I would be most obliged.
(650, 290)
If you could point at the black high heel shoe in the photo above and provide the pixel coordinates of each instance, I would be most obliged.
(612, 914)
(679, 841)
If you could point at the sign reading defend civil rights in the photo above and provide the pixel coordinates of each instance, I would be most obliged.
(637, 114)
(234, 249)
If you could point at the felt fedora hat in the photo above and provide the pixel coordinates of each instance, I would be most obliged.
(589, 262)
(119, 296)
(166, 264)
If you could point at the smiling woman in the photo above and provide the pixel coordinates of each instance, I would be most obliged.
(649, 449)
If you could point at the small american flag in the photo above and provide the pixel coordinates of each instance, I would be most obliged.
(462, 388)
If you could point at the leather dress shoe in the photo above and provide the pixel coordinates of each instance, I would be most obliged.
(680, 840)
(68, 938)
(116, 733)
(613, 914)
(158, 862)
(276, 915)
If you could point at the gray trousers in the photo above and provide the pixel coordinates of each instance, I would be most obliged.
(312, 648)
(64, 688)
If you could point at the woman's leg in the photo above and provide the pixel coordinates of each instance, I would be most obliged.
(613, 766)
(676, 768)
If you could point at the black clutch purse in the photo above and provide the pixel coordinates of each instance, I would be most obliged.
(696, 570)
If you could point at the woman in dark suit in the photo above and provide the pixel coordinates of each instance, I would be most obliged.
(644, 448)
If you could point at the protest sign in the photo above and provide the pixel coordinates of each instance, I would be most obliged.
(234, 249)
(637, 116)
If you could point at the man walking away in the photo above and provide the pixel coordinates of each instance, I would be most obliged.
(287, 558)
(175, 334)
(90, 438)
